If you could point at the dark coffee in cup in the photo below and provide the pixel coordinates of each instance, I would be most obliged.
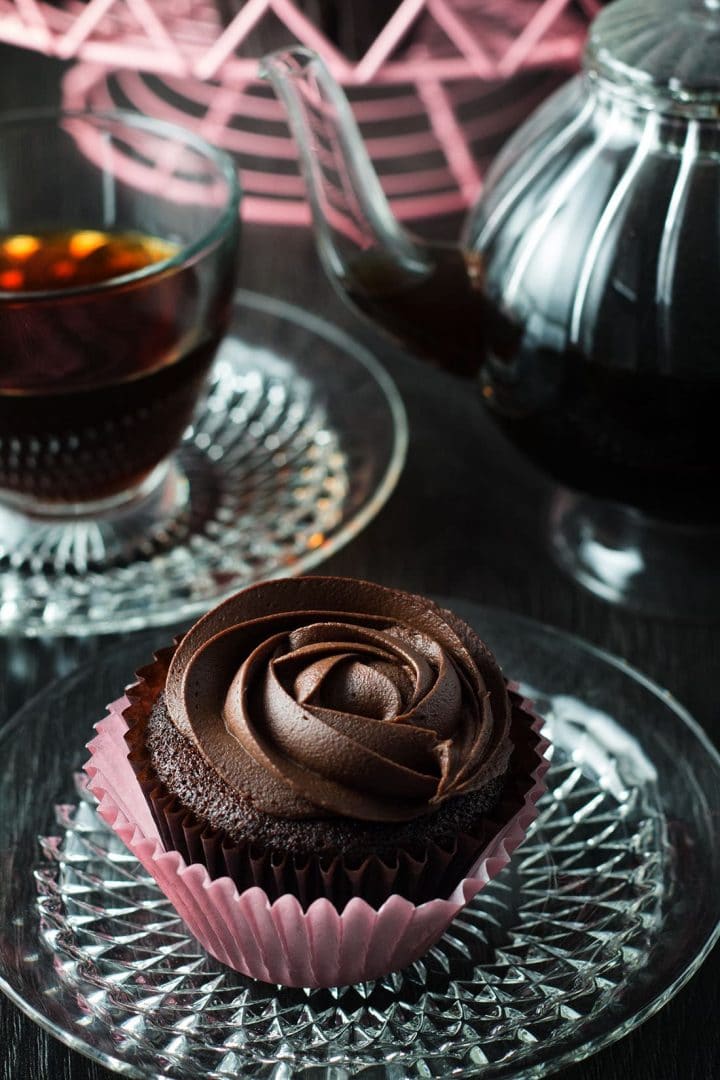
(104, 346)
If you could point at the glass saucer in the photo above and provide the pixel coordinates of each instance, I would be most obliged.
(603, 914)
(298, 443)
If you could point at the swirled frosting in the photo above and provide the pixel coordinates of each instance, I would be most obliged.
(322, 697)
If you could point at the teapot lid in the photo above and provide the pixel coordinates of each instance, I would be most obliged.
(668, 48)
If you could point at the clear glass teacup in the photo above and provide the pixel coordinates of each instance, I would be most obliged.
(118, 250)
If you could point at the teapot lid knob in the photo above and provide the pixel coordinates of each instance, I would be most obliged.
(662, 49)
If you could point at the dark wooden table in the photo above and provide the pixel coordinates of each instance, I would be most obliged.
(467, 519)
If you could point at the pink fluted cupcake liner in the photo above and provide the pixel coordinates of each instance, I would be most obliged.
(279, 942)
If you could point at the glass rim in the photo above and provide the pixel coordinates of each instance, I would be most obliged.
(163, 128)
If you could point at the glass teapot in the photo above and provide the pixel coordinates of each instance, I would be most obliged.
(583, 294)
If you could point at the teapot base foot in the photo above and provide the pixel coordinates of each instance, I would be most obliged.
(620, 554)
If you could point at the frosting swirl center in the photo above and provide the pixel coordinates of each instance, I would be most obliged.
(331, 697)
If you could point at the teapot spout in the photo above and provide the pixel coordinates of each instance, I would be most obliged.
(351, 214)
(430, 298)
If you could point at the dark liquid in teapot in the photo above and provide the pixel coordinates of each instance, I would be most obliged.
(642, 438)
(443, 317)
(614, 387)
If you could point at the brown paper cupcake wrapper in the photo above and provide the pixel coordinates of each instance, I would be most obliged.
(418, 873)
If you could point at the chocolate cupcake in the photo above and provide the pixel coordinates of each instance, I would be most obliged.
(320, 776)
(326, 737)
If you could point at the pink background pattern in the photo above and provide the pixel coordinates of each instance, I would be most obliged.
(451, 91)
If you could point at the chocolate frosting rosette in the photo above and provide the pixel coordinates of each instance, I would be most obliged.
(330, 738)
